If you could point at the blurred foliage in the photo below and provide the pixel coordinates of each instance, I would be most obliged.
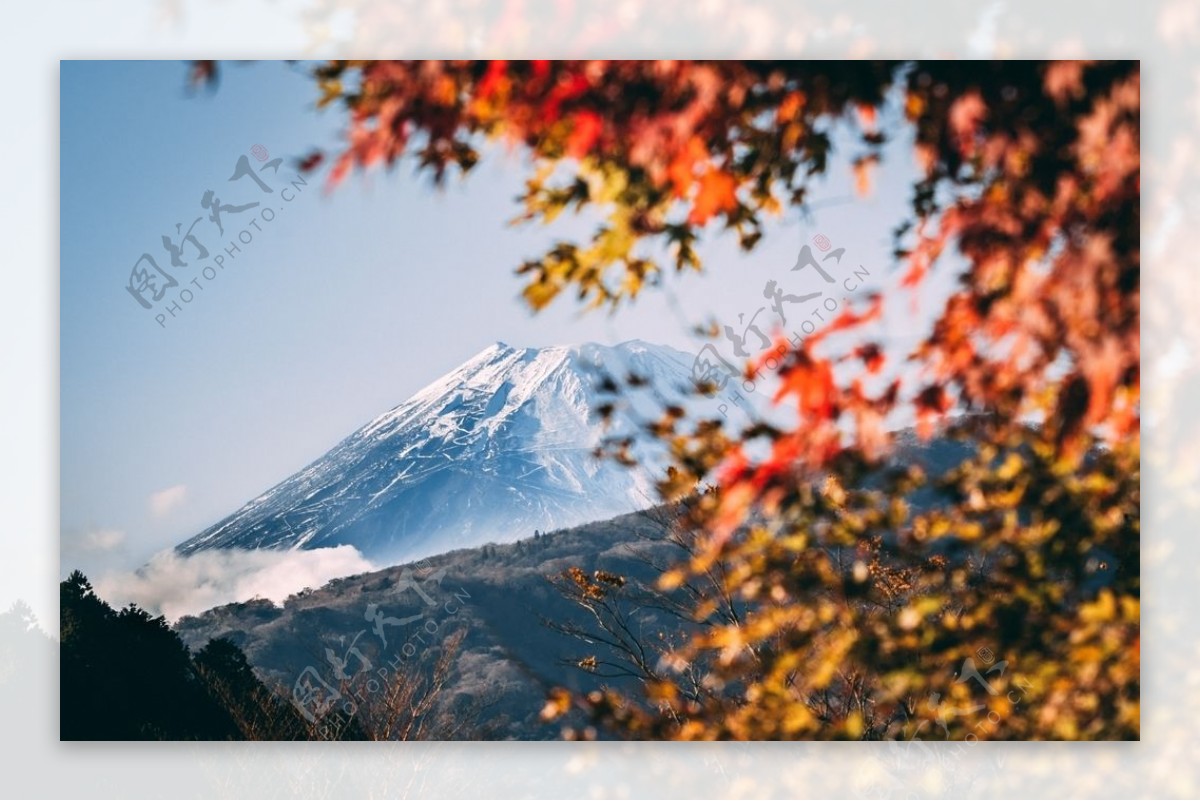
(1002, 605)
(869, 616)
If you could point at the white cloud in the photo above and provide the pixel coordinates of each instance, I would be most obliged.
(163, 501)
(101, 539)
(175, 585)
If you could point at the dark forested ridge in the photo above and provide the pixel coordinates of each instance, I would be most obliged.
(495, 618)
(472, 641)
(127, 676)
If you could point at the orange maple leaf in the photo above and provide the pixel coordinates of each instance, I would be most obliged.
(584, 133)
(682, 167)
(717, 195)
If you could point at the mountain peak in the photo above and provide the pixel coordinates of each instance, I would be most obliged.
(495, 448)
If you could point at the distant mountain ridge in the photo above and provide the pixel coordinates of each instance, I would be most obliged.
(491, 451)
(498, 596)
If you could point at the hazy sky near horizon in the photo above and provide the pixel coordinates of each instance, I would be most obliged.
(342, 307)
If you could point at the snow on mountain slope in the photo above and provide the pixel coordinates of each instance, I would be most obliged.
(491, 451)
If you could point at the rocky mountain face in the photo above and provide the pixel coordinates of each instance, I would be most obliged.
(492, 451)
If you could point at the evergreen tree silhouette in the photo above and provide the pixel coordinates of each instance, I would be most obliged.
(127, 676)
(258, 713)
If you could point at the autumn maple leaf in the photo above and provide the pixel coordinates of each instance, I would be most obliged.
(717, 195)
(584, 134)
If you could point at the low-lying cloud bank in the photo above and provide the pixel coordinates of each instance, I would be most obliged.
(174, 585)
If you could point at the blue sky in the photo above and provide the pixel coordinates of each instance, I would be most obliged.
(340, 308)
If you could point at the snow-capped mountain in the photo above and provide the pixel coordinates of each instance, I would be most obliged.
(493, 450)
